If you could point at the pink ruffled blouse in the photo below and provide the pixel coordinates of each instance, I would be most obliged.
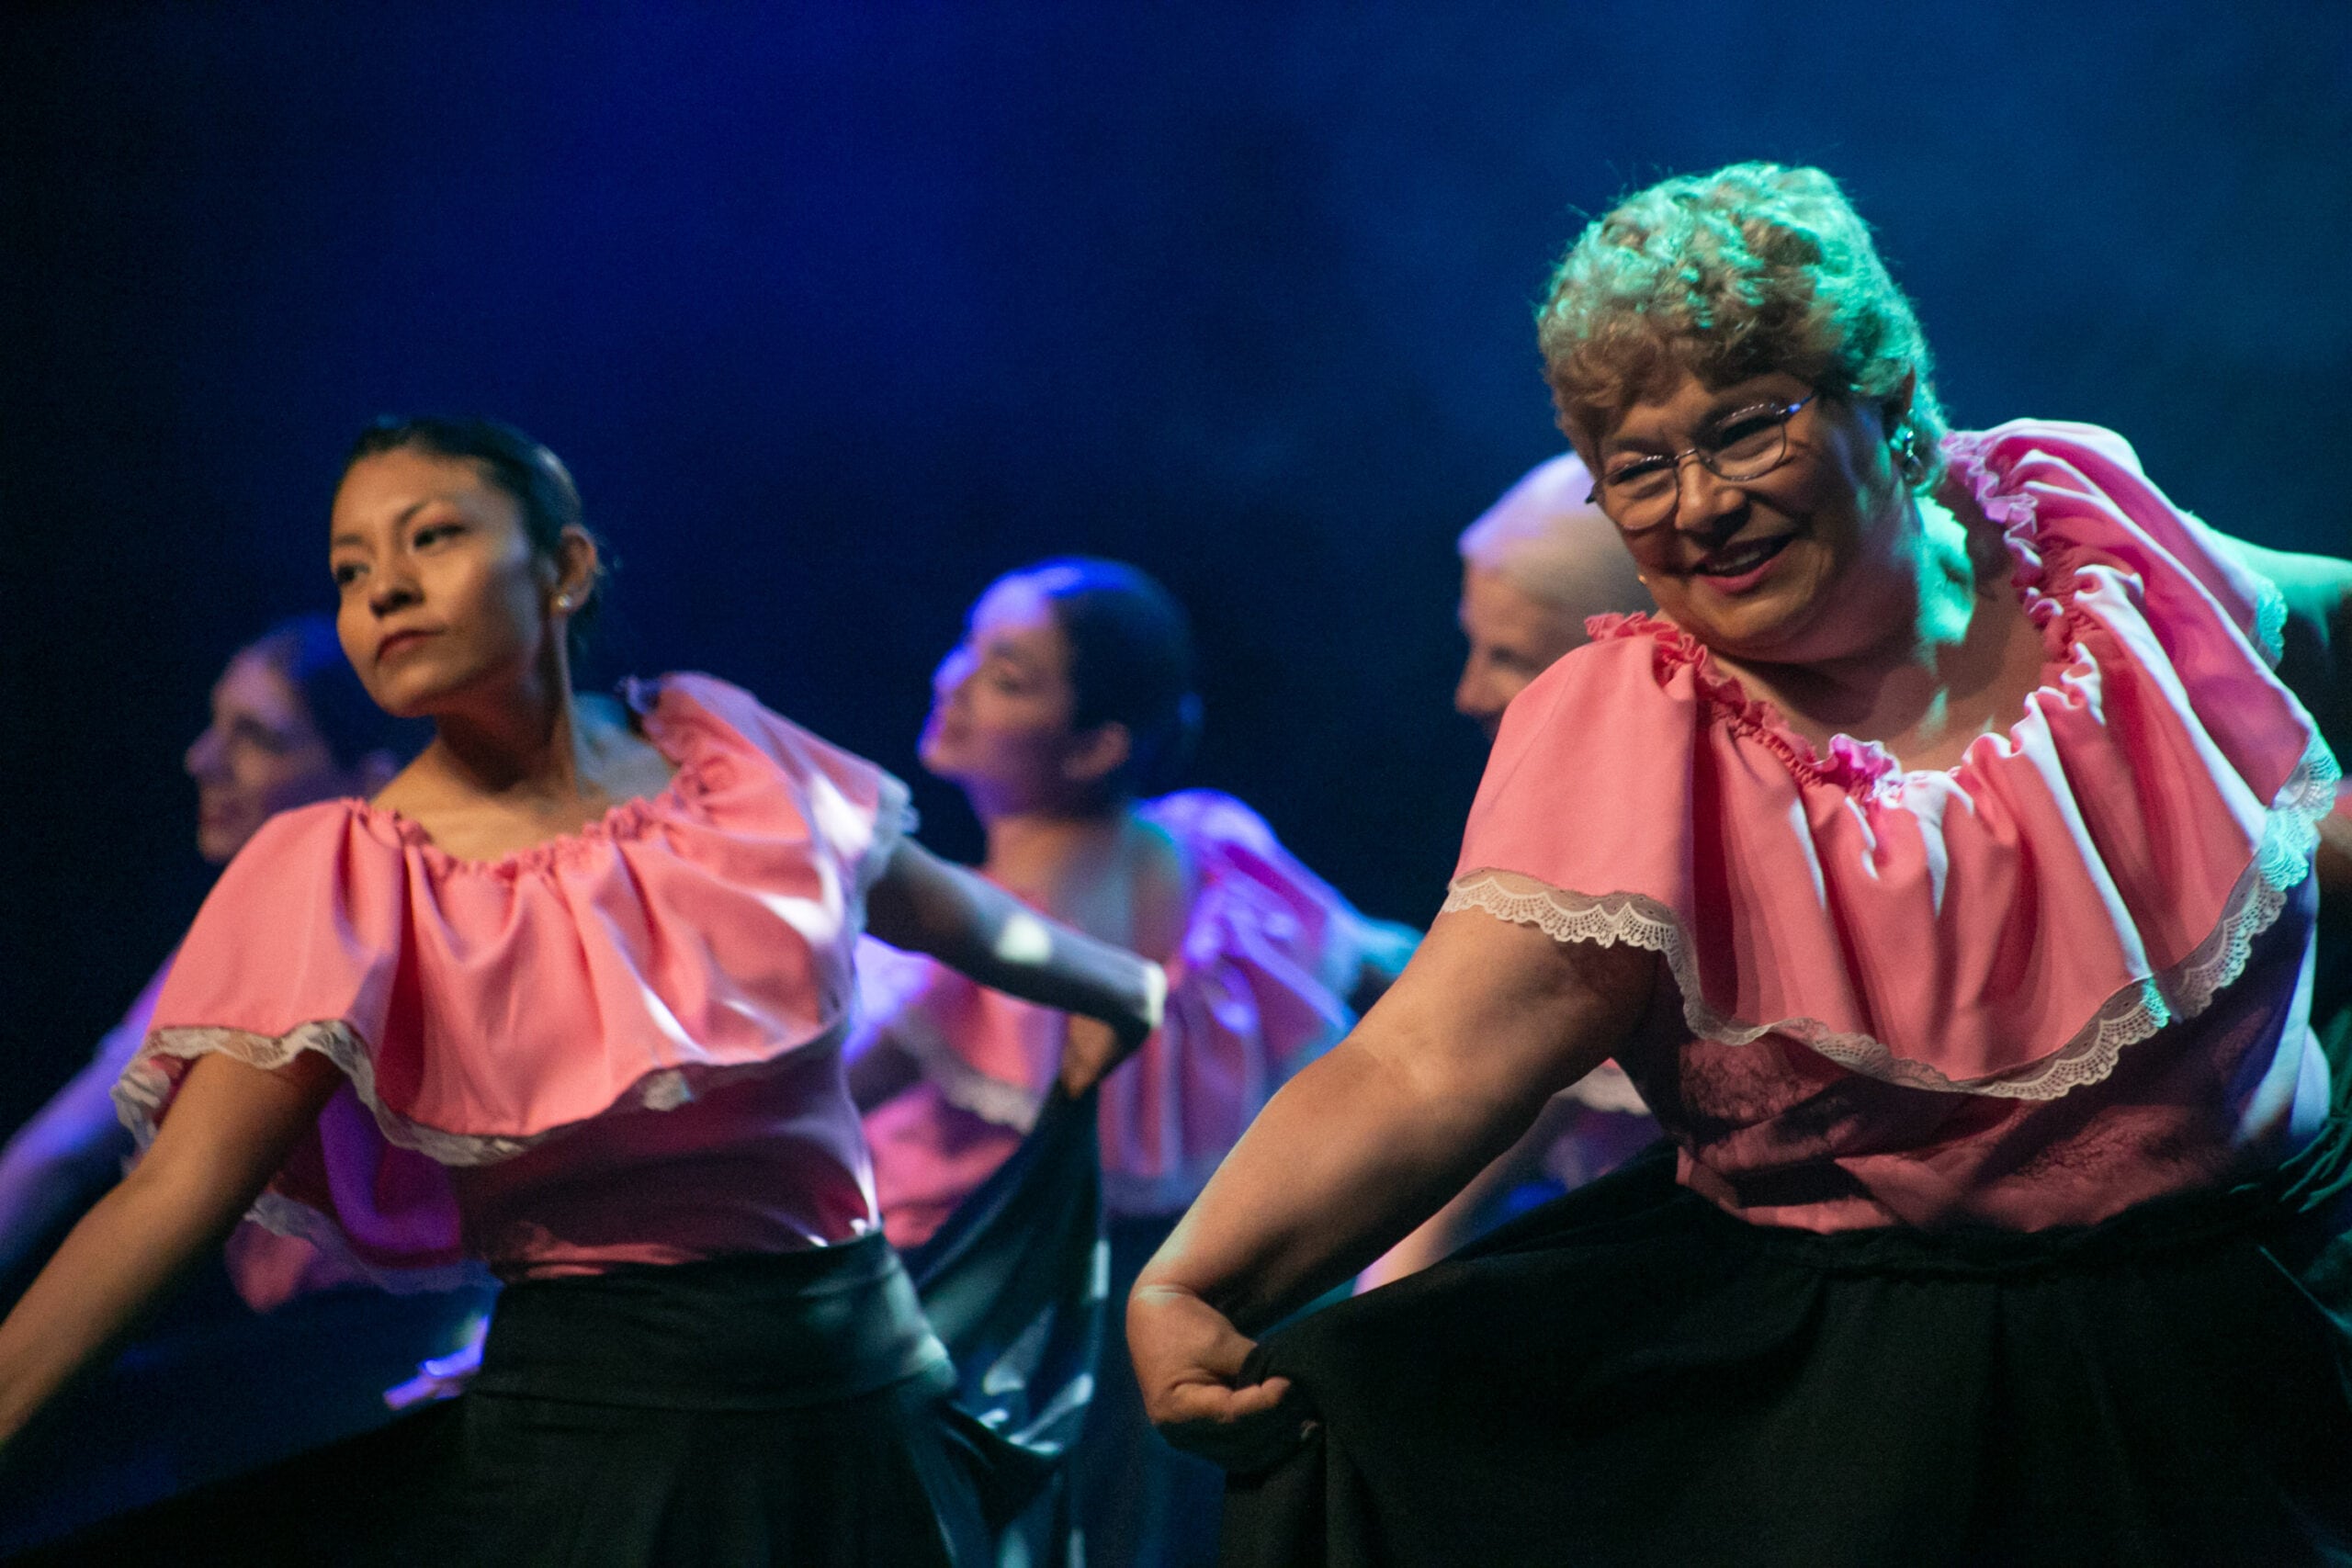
(2067, 975)
(1256, 989)
(622, 1046)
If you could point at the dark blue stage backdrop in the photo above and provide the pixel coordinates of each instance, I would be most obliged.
(839, 308)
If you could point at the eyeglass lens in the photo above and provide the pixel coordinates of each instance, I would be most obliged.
(1747, 445)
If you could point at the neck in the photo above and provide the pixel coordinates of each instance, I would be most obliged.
(526, 739)
(1039, 851)
(1926, 592)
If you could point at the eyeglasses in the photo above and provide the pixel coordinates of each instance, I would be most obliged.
(1747, 444)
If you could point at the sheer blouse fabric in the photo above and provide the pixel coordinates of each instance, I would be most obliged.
(2066, 975)
(622, 1046)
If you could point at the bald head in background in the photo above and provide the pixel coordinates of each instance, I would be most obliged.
(1533, 566)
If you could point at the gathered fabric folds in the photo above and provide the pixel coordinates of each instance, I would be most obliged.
(2004, 928)
(1630, 1376)
(522, 1039)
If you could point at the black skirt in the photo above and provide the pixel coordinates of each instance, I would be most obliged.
(773, 1409)
(1627, 1375)
(829, 1407)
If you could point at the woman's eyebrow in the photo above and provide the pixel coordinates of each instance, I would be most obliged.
(1721, 406)
(1009, 651)
(1730, 405)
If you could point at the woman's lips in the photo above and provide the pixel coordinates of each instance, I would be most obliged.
(398, 643)
(1740, 566)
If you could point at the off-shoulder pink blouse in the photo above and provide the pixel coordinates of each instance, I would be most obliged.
(622, 1046)
(1257, 987)
(2066, 975)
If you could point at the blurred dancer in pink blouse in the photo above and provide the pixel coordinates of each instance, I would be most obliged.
(290, 725)
(211, 1388)
(1068, 703)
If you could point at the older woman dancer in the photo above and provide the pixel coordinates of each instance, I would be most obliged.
(1939, 867)
(566, 999)
(1536, 566)
(1068, 704)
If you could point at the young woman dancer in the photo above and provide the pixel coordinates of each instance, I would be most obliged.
(566, 999)
(1066, 706)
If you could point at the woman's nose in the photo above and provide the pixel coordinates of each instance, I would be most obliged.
(390, 588)
(203, 757)
(947, 680)
(1703, 499)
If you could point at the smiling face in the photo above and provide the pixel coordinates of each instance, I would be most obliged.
(261, 754)
(1778, 568)
(441, 595)
(1514, 636)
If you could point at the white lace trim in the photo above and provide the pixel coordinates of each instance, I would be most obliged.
(961, 1084)
(140, 1095)
(2270, 618)
(2280, 863)
(286, 1216)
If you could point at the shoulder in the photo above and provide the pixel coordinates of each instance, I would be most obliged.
(2059, 490)
(300, 841)
(1634, 662)
(687, 700)
(331, 854)
(712, 728)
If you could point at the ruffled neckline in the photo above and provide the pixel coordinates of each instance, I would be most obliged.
(1865, 768)
(686, 746)
(2153, 749)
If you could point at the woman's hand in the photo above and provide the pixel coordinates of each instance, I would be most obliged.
(1188, 1357)
(1489, 1020)
(1092, 1048)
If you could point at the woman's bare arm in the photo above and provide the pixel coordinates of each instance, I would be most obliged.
(1485, 1024)
(230, 1129)
(1436, 1237)
(923, 904)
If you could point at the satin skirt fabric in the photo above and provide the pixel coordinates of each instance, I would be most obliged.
(1627, 1375)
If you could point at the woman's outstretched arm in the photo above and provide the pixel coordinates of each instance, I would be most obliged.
(1485, 1024)
(230, 1129)
(923, 904)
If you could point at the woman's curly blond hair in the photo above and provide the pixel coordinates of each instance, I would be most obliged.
(1752, 269)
